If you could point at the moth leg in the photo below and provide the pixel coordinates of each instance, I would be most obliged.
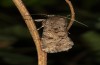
(43, 23)
(40, 27)
(39, 20)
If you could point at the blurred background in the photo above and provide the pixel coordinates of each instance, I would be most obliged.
(18, 48)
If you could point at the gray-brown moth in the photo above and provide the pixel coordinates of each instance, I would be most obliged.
(55, 36)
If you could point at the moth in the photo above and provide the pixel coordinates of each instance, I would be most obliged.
(55, 36)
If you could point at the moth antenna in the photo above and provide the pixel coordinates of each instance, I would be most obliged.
(39, 14)
(77, 21)
(80, 23)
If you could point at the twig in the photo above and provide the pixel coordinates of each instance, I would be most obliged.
(42, 56)
(72, 14)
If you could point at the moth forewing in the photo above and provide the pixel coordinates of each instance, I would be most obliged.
(55, 37)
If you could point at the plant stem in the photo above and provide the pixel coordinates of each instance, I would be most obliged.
(42, 56)
(72, 14)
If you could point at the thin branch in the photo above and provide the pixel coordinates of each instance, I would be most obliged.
(72, 14)
(42, 56)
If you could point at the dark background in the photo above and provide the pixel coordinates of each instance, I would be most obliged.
(17, 46)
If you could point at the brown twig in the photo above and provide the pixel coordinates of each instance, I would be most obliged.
(72, 14)
(42, 56)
